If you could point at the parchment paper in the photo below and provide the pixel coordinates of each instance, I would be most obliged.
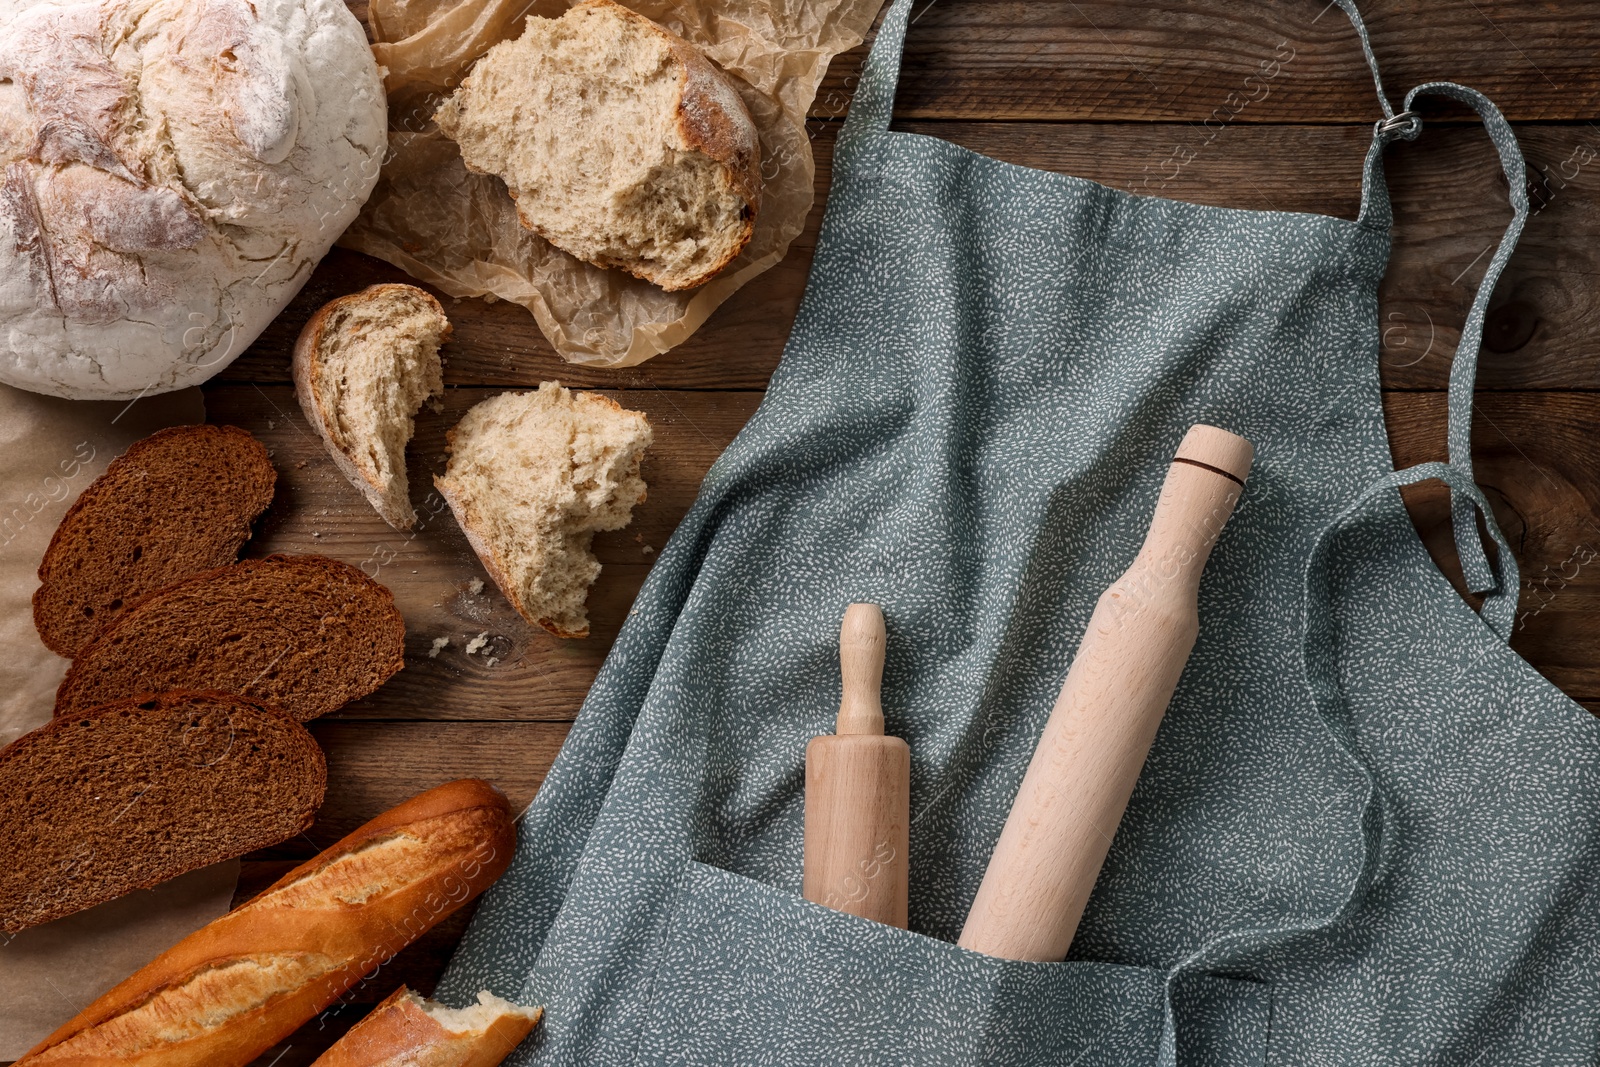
(459, 231)
(50, 450)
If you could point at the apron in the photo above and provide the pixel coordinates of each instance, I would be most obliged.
(1367, 832)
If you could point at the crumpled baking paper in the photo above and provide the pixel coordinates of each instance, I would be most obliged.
(53, 449)
(458, 231)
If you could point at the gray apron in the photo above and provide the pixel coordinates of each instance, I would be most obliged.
(1367, 833)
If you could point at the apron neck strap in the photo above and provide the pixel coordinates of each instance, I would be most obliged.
(1377, 212)
(873, 103)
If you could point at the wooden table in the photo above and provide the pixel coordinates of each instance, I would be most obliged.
(1152, 98)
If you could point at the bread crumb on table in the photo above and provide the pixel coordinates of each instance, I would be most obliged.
(475, 586)
(477, 642)
(439, 644)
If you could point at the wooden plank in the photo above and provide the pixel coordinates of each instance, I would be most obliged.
(1449, 202)
(1538, 461)
(1219, 60)
(520, 672)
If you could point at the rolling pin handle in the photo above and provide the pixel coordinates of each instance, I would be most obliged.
(861, 644)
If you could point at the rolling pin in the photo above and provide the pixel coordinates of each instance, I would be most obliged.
(1094, 745)
(858, 789)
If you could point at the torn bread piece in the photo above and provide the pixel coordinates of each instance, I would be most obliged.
(407, 1030)
(363, 367)
(532, 478)
(621, 144)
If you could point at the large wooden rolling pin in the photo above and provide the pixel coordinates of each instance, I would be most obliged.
(1117, 690)
(858, 789)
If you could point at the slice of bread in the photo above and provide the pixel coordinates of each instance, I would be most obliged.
(303, 633)
(363, 367)
(621, 144)
(411, 1031)
(180, 501)
(138, 791)
(532, 477)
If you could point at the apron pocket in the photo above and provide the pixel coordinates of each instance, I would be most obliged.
(755, 976)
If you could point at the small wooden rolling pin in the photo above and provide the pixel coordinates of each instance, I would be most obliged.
(858, 789)
(1117, 690)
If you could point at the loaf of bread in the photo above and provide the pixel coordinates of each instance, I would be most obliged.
(621, 144)
(180, 501)
(532, 477)
(170, 172)
(234, 988)
(363, 367)
(136, 792)
(303, 633)
(408, 1031)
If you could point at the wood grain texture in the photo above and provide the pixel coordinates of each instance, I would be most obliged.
(1202, 60)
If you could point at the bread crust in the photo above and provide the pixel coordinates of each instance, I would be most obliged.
(305, 366)
(399, 1032)
(254, 499)
(356, 936)
(153, 152)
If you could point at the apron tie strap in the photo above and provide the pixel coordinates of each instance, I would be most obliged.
(1377, 212)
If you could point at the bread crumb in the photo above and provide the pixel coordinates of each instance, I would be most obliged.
(491, 661)
(315, 533)
(648, 550)
(272, 424)
(477, 642)
(475, 586)
(439, 644)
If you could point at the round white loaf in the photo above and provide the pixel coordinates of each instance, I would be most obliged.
(170, 173)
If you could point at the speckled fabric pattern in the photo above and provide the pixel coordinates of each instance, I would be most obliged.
(1366, 832)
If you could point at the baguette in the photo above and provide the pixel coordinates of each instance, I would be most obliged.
(408, 1031)
(233, 989)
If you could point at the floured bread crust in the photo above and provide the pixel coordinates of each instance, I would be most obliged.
(170, 173)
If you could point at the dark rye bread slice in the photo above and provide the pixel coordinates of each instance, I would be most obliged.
(128, 795)
(180, 501)
(303, 633)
